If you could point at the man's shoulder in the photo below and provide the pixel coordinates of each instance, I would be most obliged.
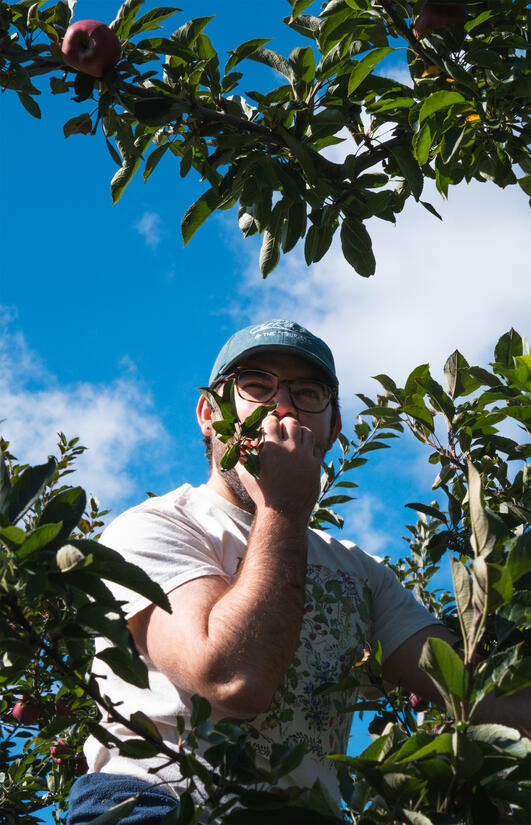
(170, 506)
(343, 551)
(193, 508)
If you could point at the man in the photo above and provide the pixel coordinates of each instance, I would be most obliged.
(265, 611)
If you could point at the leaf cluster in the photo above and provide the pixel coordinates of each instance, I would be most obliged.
(462, 115)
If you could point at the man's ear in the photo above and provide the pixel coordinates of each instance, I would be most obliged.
(335, 430)
(204, 415)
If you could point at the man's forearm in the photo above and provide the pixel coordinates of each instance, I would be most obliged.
(254, 627)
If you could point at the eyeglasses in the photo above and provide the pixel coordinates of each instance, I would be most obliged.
(260, 387)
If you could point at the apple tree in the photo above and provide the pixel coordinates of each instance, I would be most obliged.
(426, 765)
(461, 114)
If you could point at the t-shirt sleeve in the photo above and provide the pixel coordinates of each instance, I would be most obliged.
(397, 614)
(170, 550)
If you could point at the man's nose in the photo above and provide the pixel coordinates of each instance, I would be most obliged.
(285, 405)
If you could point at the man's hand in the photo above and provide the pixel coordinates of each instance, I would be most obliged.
(290, 468)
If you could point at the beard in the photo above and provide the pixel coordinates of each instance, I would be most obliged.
(230, 477)
(216, 449)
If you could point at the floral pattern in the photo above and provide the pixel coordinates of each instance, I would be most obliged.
(336, 628)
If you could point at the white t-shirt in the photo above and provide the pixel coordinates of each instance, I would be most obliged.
(351, 601)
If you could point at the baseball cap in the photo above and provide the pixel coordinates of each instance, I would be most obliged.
(277, 335)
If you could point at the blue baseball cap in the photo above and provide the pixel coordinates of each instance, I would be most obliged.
(277, 335)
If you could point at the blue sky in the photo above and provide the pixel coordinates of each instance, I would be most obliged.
(108, 325)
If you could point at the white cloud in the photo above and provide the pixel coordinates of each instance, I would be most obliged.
(460, 283)
(360, 516)
(114, 420)
(149, 227)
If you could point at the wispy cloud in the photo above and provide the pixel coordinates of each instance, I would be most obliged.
(116, 421)
(360, 518)
(460, 283)
(149, 227)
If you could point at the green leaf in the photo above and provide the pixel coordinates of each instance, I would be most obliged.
(463, 599)
(431, 209)
(437, 101)
(230, 457)
(30, 104)
(269, 253)
(302, 61)
(147, 725)
(483, 537)
(110, 565)
(153, 159)
(457, 377)
(298, 6)
(410, 169)
(197, 213)
(5, 484)
(508, 348)
(518, 611)
(357, 247)
(502, 737)
(151, 19)
(274, 61)
(525, 184)
(422, 144)
(446, 670)
(437, 396)
(133, 671)
(125, 17)
(519, 560)
(253, 421)
(201, 710)
(365, 67)
(79, 125)
(429, 511)
(124, 176)
(317, 243)
(517, 676)
(186, 35)
(12, 537)
(68, 507)
(107, 622)
(118, 812)
(26, 488)
(245, 50)
(285, 759)
(158, 111)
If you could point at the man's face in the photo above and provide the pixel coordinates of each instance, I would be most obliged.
(286, 367)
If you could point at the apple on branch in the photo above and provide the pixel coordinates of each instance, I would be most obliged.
(26, 711)
(91, 47)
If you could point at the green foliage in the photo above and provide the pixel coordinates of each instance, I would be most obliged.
(242, 437)
(436, 766)
(462, 114)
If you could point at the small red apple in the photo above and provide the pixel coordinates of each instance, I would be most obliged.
(91, 47)
(439, 16)
(26, 711)
(60, 751)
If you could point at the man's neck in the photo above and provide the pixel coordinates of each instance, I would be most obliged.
(218, 485)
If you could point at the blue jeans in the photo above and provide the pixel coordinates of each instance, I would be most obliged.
(94, 793)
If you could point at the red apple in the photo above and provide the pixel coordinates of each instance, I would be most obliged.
(439, 16)
(60, 751)
(91, 47)
(26, 711)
